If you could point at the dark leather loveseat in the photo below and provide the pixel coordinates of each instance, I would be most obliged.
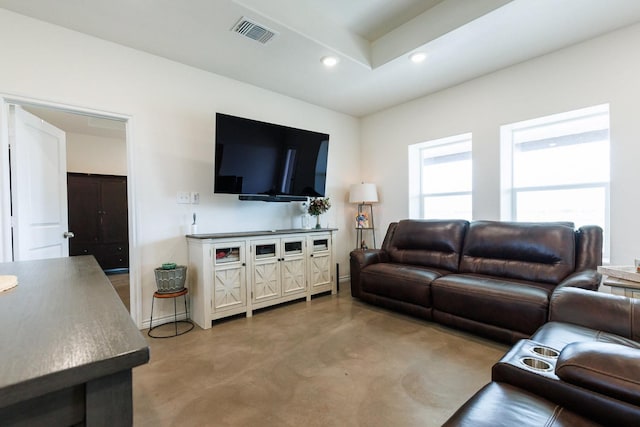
(488, 277)
(582, 368)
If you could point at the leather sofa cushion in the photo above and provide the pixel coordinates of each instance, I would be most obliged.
(402, 282)
(498, 404)
(560, 334)
(609, 369)
(428, 243)
(528, 251)
(596, 310)
(511, 304)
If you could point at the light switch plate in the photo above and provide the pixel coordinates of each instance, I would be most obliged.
(195, 198)
(183, 197)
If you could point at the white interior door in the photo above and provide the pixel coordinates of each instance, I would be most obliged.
(38, 187)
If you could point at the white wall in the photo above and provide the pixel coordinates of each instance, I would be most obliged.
(94, 154)
(603, 70)
(172, 109)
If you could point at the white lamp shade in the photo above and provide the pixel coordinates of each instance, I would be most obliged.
(362, 193)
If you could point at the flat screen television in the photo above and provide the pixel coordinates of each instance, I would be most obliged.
(265, 161)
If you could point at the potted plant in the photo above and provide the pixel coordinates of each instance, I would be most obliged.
(318, 206)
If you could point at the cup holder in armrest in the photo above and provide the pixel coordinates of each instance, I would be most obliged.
(545, 351)
(536, 364)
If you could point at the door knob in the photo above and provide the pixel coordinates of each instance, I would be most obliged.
(68, 234)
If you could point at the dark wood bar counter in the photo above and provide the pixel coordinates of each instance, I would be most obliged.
(67, 346)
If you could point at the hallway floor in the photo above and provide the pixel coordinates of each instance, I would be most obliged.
(120, 282)
(331, 362)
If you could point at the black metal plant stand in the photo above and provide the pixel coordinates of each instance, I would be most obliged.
(162, 295)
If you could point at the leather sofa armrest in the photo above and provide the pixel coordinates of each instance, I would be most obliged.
(585, 279)
(359, 259)
(369, 256)
(609, 369)
(588, 247)
(596, 310)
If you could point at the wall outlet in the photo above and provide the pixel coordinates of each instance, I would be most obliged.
(182, 197)
(195, 198)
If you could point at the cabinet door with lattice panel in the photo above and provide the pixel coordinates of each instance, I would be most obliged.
(266, 270)
(229, 288)
(320, 263)
(293, 266)
(229, 281)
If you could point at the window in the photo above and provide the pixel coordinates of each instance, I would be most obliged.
(440, 178)
(556, 168)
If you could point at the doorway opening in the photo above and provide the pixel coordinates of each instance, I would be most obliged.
(98, 219)
(97, 147)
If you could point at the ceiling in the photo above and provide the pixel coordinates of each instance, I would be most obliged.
(85, 124)
(463, 39)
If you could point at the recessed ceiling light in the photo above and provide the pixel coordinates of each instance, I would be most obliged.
(329, 61)
(418, 57)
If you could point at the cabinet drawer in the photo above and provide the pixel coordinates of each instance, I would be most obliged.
(113, 261)
(115, 248)
(112, 256)
(81, 250)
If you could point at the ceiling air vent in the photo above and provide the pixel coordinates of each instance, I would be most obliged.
(253, 30)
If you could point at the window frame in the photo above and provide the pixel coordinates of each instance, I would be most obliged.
(509, 199)
(417, 196)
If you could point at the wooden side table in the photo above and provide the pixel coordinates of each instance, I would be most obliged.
(622, 279)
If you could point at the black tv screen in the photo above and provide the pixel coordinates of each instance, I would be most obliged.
(258, 158)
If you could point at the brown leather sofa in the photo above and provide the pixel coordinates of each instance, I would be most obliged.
(582, 368)
(488, 277)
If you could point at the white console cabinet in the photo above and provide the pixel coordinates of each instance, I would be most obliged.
(232, 273)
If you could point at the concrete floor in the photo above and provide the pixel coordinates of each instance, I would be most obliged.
(331, 362)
